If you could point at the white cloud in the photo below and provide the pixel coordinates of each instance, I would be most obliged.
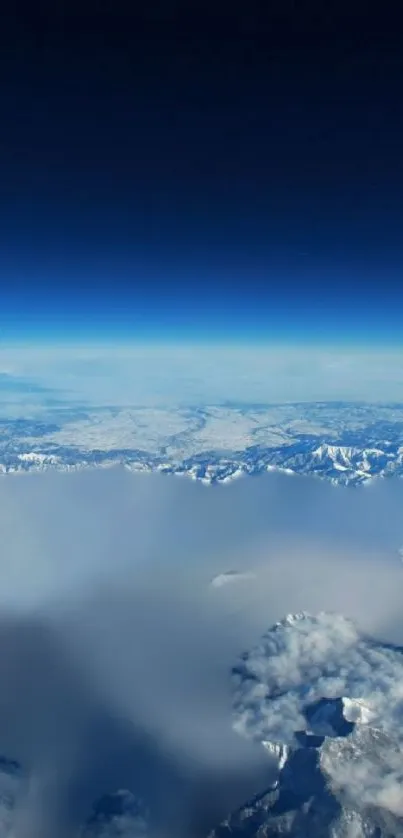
(231, 577)
(366, 768)
(109, 623)
(304, 659)
(120, 815)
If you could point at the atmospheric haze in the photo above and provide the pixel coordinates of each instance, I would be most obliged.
(116, 648)
(171, 374)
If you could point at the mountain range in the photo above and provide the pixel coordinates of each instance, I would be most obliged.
(345, 443)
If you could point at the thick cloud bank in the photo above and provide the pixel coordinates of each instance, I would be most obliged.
(304, 659)
(115, 646)
(317, 679)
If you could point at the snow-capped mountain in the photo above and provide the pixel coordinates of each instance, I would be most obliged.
(343, 442)
(307, 801)
(325, 702)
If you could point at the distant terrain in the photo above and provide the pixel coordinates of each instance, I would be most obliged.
(348, 443)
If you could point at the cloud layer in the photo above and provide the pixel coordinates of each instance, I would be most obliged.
(115, 648)
(291, 683)
(307, 658)
(111, 374)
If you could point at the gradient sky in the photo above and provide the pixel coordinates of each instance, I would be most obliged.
(174, 170)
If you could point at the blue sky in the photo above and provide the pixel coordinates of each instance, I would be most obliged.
(234, 303)
(212, 179)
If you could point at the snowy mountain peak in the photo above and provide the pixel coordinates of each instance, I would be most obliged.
(291, 619)
(325, 702)
(279, 752)
(356, 711)
(315, 674)
(347, 788)
(346, 443)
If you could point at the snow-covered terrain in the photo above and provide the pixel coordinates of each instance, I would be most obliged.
(304, 660)
(327, 703)
(347, 443)
(308, 801)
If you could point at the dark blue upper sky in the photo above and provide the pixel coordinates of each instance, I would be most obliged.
(177, 166)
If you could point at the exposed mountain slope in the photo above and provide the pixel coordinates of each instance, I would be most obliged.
(307, 802)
